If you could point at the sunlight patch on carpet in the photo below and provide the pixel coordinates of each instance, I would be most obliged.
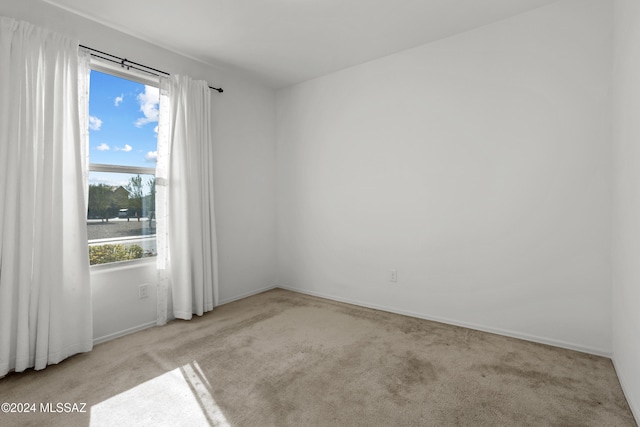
(179, 397)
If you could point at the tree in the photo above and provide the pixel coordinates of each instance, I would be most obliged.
(100, 200)
(135, 187)
(150, 199)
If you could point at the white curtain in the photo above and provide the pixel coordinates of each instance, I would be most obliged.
(186, 238)
(45, 297)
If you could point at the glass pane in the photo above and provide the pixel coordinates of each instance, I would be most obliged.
(121, 220)
(123, 117)
(123, 121)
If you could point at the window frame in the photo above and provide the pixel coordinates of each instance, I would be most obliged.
(107, 67)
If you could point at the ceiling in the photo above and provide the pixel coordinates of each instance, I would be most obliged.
(283, 42)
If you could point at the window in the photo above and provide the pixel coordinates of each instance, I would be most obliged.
(123, 126)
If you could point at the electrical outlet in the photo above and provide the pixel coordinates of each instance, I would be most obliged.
(393, 276)
(143, 291)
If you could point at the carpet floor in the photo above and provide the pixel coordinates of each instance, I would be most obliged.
(285, 359)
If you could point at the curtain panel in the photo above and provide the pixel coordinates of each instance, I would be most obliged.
(45, 297)
(186, 236)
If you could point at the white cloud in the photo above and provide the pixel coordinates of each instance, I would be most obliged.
(102, 147)
(97, 180)
(126, 148)
(151, 156)
(148, 105)
(118, 100)
(94, 123)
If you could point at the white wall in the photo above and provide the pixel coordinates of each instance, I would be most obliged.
(117, 308)
(478, 166)
(244, 130)
(626, 200)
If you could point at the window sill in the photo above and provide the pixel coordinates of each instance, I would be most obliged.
(122, 265)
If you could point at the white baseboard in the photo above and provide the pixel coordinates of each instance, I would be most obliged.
(635, 410)
(504, 332)
(123, 333)
(151, 324)
(245, 295)
(508, 333)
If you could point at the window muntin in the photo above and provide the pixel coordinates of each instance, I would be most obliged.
(123, 140)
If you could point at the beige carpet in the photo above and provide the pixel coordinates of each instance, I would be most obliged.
(286, 359)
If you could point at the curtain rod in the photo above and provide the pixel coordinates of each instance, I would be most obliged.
(125, 63)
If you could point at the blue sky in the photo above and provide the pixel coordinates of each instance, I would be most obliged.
(123, 121)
